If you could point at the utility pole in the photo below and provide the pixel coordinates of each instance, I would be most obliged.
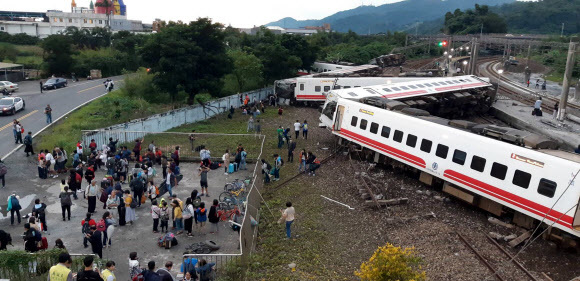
(562, 32)
(481, 31)
(528, 57)
(566, 83)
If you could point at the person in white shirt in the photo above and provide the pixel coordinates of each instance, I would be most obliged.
(538, 107)
(297, 128)
(50, 159)
(288, 216)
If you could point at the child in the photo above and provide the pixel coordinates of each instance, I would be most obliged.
(201, 215)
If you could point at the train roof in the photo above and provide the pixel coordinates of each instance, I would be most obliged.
(409, 89)
(347, 70)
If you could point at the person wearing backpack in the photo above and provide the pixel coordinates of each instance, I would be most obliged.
(39, 211)
(277, 165)
(188, 214)
(30, 241)
(138, 188)
(86, 228)
(14, 207)
(242, 164)
(130, 205)
(164, 217)
(213, 216)
(188, 265)
(65, 202)
(305, 130)
(201, 213)
(266, 170)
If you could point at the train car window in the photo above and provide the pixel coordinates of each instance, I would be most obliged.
(459, 157)
(363, 124)
(398, 136)
(346, 87)
(455, 81)
(330, 109)
(461, 80)
(352, 94)
(374, 127)
(353, 121)
(478, 163)
(317, 88)
(386, 89)
(547, 188)
(420, 86)
(301, 87)
(498, 170)
(428, 85)
(411, 140)
(357, 86)
(521, 179)
(442, 151)
(449, 82)
(385, 132)
(426, 145)
(404, 88)
(412, 87)
(326, 88)
(337, 87)
(395, 88)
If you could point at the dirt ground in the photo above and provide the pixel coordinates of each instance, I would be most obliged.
(534, 66)
(331, 241)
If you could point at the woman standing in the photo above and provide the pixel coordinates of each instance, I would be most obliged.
(305, 130)
(213, 216)
(65, 202)
(177, 215)
(155, 214)
(302, 159)
(164, 217)
(121, 212)
(42, 168)
(226, 159)
(129, 212)
(188, 214)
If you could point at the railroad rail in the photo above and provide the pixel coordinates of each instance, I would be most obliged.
(524, 95)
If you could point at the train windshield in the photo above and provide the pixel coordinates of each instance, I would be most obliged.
(329, 109)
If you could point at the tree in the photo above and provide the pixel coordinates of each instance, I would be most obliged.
(247, 71)
(190, 56)
(471, 21)
(58, 53)
(391, 263)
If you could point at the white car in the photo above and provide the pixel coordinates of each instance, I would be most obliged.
(9, 86)
(11, 105)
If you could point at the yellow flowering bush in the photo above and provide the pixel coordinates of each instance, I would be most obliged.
(390, 263)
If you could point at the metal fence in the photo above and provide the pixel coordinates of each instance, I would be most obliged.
(35, 266)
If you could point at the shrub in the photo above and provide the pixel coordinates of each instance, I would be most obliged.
(392, 263)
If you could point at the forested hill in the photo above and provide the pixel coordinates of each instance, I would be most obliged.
(395, 16)
(544, 16)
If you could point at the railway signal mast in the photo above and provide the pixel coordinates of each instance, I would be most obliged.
(567, 79)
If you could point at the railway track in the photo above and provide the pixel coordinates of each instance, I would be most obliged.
(527, 96)
(501, 264)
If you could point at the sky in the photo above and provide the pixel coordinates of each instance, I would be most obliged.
(246, 13)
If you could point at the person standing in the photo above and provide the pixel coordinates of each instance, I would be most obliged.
(39, 211)
(96, 240)
(30, 242)
(288, 217)
(555, 114)
(14, 123)
(40, 86)
(155, 214)
(538, 107)
(205, 155)
(86, 228)
(18, 132)
(243, 155)
(61, 271)
(108, 274)
(178, 215)
(14, 207)
(113, 145)
(213, 217)
(302, 159)
(170, 182)
(305, 130)
(165, 272)
(28, 143)
(277, 166)
(201, 213)
(134, 267)
(250, 124)
(226, 159)
(137, 149)
(91, 195)
(48, 112)
(266, 170)
(65, 202)
(164, 217)
(138, 187)
(188, 213)
(129, 205)
(164, 165)
(280, 133)
(203, 170)
(150, 274)
(88, 273)
(537, 83)
(297, 126)
(291, 148)
(175, 156)
(3, 171)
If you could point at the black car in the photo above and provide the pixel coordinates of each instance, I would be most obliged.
(54, 83)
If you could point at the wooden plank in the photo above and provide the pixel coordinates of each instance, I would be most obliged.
(547, 277)
(520, 239)
(388, 202)
(523, 220)
(491, 206)
(458, 193)
(426, 178)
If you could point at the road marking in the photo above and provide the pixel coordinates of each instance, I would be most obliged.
(93, 87)
(19, 119)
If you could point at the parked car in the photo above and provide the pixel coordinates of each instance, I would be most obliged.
(9, 86)
(54, 83)
(11, 105)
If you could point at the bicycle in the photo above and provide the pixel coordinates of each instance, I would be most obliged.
(235, 185)
(227, 215)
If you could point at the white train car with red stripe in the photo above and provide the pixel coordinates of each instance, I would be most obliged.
(530, 183)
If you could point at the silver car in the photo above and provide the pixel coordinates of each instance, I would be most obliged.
(9, 86)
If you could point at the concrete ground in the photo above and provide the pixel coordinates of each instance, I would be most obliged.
(23, 180)
(552, 88)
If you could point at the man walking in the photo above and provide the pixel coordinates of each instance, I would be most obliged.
(165, 272)
(291, 148)
(18, 128)
(41, 86)
(280, 132)
(28, 142)
(138, 188)
(297, 128)
(14, 207)
(48, 112)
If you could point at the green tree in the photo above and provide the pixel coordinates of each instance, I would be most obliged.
(471, 21)
(57, 55)
(247, 72)
(190, 56)
(8, 52)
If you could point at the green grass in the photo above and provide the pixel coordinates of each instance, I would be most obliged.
(111, 109)
(29, 50)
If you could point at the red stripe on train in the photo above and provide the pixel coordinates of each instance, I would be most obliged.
(310, 97)
(510, 198)
(395, 95)
(459, 86)
(388, 149)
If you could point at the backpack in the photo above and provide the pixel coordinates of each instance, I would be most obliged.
(189, 266)
(268, 166)
(102, 225)
(110, 164)
(3, 169)
(37, 235)
(196, 202)
(165, 215)
(133, 204)
(15, 203)
(118, 165)
(65, 199)
(86, 227)
(177, 171)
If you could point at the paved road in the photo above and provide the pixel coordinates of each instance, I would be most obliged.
(61, 100)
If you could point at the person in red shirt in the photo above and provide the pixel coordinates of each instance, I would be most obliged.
(158, 155)
(92, 145)
(86, 227)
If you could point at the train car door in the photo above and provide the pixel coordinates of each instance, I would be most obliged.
(338, 118)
